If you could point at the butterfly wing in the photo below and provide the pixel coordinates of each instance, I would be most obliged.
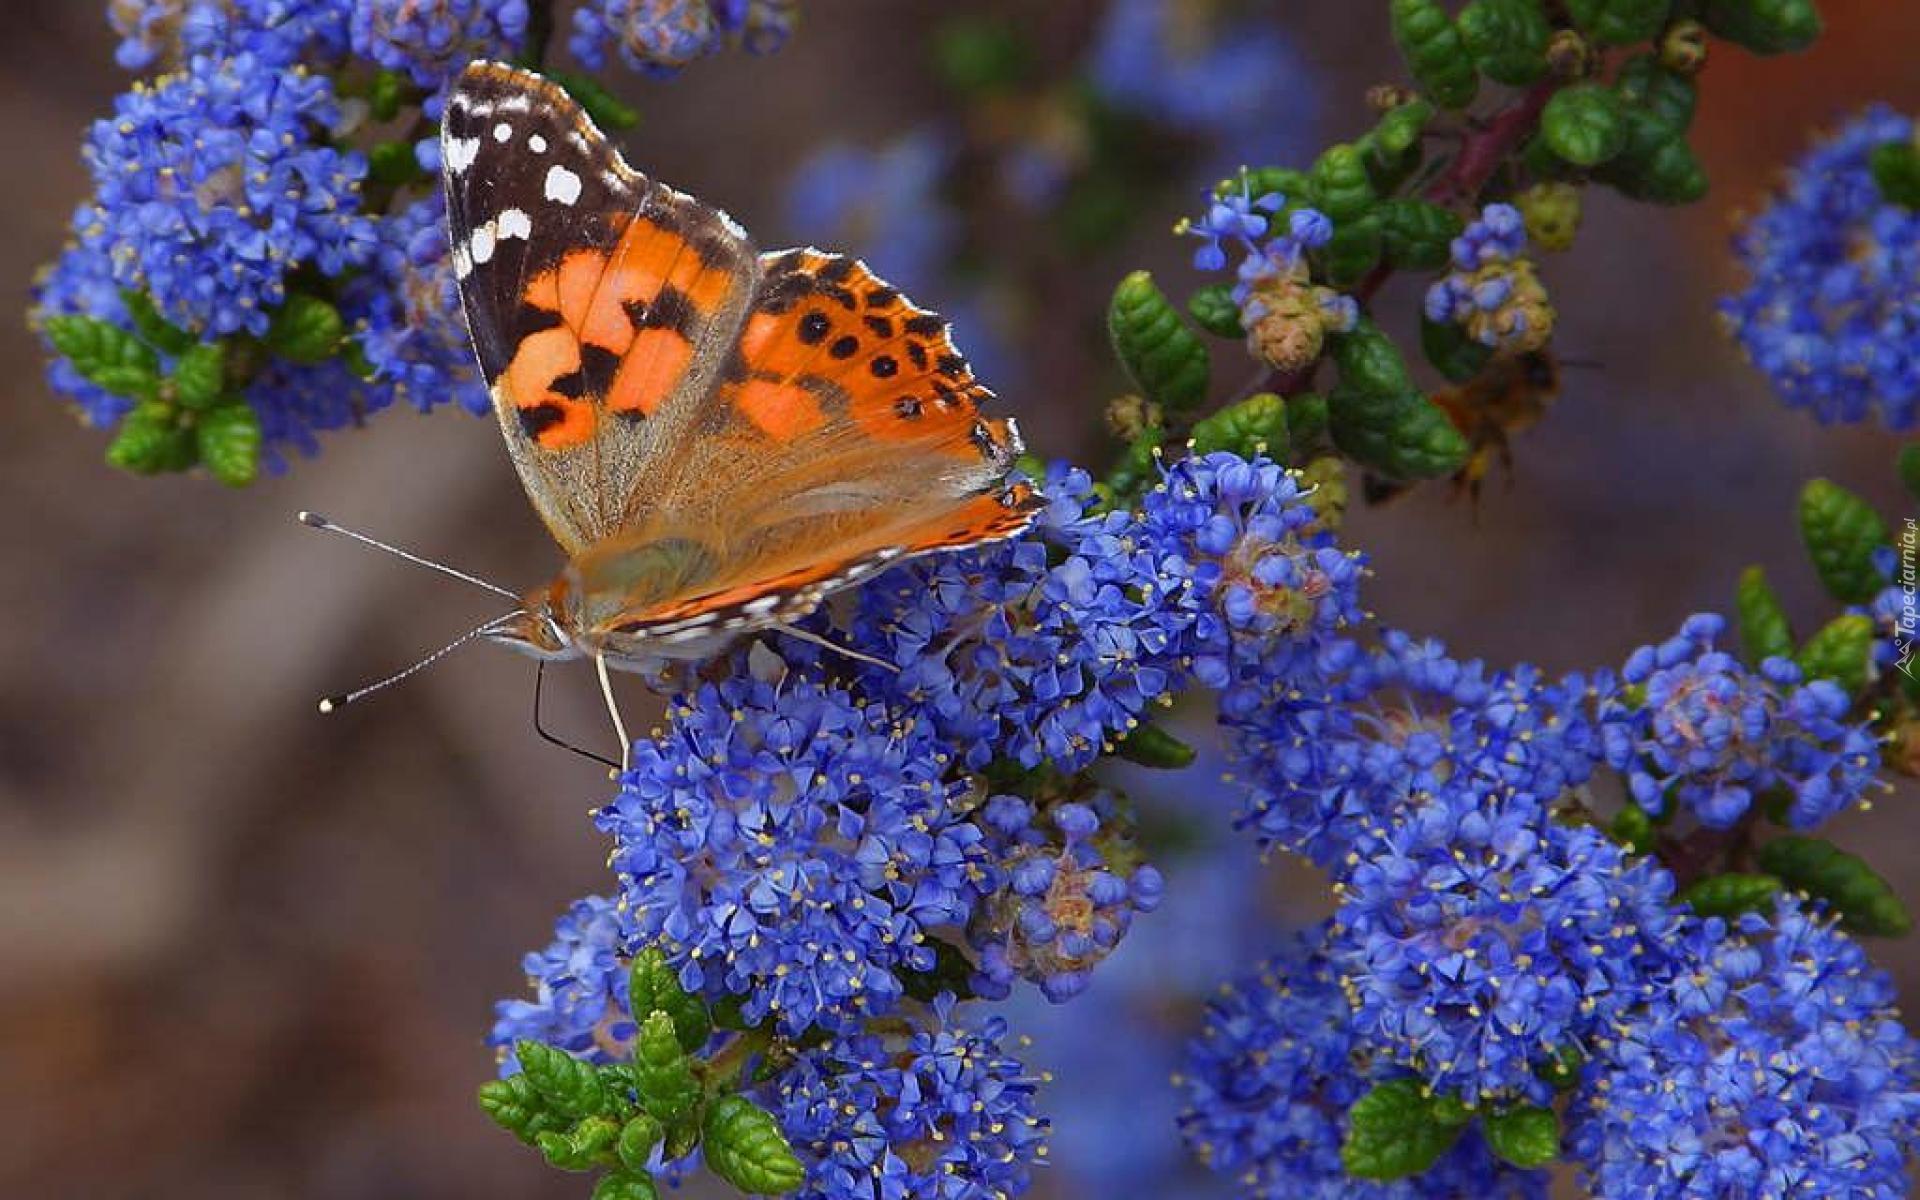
(845, 435)
(602, 305)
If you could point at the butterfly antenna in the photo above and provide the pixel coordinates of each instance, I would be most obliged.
(334, 703)
(316, 521)
(807, 635)
(539, 679)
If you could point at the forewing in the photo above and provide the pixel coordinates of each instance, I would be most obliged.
(603, 305)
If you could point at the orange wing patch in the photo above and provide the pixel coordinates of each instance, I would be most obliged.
(827, 338)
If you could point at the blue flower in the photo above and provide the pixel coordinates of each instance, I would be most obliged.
(80, 283)
(1703, 729)
(1235, 219)
(1270, 1079)
(928, 1109)
(1477, 938)
(214, 184)
(402, 311)
(430, 40)
(1831, 311)
(1773, 1064)
(1065, 900)
(1493, 291)
(579, 983)
(794, 846)
(659, 37)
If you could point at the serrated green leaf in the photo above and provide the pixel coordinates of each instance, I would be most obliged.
(151, 440)
(587, 1145)
(1528, 1137)
(228, 441)
(1584, 124)
(106, 355)
(1369, 361)
(1507, 38)
(307, 329)
(513, 1106)
(1865, 902)
(1212, 307)
(1672, 97)
(1634, 829)
(1840, 650)
(1764, 632)
(1341, 181)
(1403, 436)
(1416, 235)
(1730, 894)
(1393, 1132)
(1151, 746)
(1909, 465)
(1841, 531)
(638, 1137)
(1161, 355)
(1765, 26)
(743, 1145)
(607, 110)
(1256, 425)
(564, 1083)
(1620, 22)
(152, 328)
(635, 1184)
(663, 1078)
(200, 375)
(1435, 52)
(1896, 172)
(1296, 187)
(653, 986)
(1399, 128)
(1451, 351)
(1354, 249)
(1657, 165)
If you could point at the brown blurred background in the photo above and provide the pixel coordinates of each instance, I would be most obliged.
(252, 951)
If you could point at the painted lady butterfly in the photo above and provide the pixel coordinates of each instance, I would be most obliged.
(718, 437)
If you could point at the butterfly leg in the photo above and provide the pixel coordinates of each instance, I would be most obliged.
(613, 710)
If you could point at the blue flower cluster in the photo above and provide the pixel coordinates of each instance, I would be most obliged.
(1831, 310)
(1270, 1079)
(1492, 290)
(659, 37)
(1286, 315)
(1772, 1064)
(429, 42)
(1698, 727)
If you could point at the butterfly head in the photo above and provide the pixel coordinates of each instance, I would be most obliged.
(540, 628)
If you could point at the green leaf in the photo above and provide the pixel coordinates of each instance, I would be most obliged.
(1435, 52)
(1896, 172)
(662, 1076)
(1137, 468)
(1841, 532)
(152, 439)
(1354, 250)
(1256, 425)
(1399, 128)
(152, 328)
(514, 1106)
(1402, 436)
(1151, 746)
(606, 109)
(307, 329)
(200, 375)
(1393, 1132)
(587, 1145)
(1306, 419)
(1528, 1137)
(1562, 1071)
(743, 1145)
(1657, 166)
(1416, 235)
(1730, 894)
(1162, 356)
(1213, 308)
(635, 1184)
(1866, 903)
(106, 355)
(638, 1137)
(1840, 650)
(1672, 97)
(564, 1083)
(981, 56)
(653, 986)
(1765, 26)
(228, 439)
(1507, 38)
(1369, 361)
(1340, 179)
(1910, 468)
(1584, 124)
(1764, 631)
(1451, 351)
(1634, 829)
(1620, 22)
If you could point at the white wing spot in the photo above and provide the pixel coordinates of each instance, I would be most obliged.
(762, 604)
(513, 223)
(460, 154)
(481, 246)
(562, 185)
(502, 132)
(537, 144)
(462, 263)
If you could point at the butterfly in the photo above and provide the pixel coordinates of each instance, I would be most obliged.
(718, 437)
